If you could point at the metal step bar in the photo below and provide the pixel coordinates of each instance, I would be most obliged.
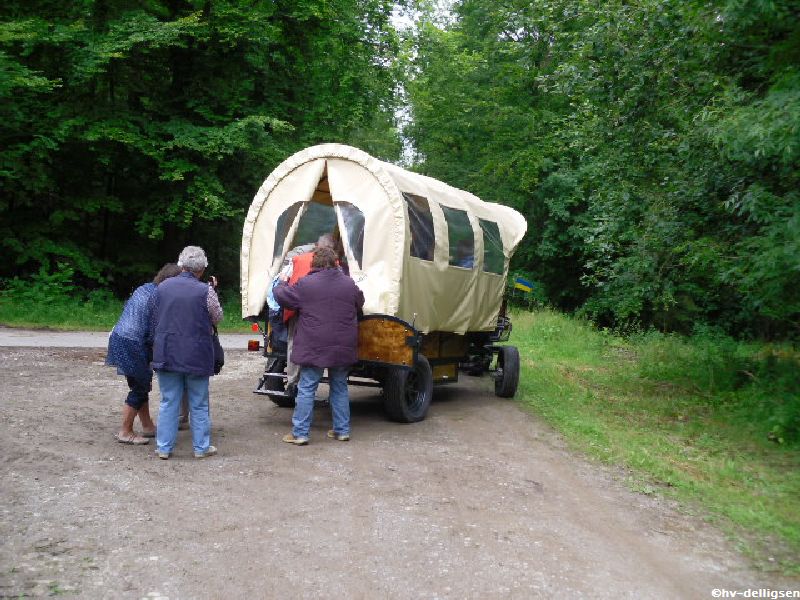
(357, 381)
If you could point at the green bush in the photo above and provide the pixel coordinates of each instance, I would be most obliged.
(775, 397)
(757, 386)
(42, 287)
(53, 300)
(707, 362)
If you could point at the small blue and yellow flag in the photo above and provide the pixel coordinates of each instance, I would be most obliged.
(523, 284)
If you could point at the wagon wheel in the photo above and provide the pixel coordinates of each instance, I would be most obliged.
(408, 392)
(506, 376)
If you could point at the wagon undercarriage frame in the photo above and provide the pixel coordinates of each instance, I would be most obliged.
(406, 364)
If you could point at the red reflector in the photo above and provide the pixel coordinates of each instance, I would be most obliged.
(254, 327)
(253, 345)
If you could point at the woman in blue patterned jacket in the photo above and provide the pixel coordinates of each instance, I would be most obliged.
(130, 350)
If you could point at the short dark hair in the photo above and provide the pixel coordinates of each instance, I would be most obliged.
(167, 271)
(324, 258)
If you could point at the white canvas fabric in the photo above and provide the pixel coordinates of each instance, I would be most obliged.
(433, 295)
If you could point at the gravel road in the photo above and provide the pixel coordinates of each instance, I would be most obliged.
(481, 500)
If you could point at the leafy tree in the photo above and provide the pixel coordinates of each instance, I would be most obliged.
(652, 146)
(130, 128)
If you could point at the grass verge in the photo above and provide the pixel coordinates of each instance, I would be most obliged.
(95, 311)
(705, 420)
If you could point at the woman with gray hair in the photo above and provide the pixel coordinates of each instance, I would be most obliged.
(183, 351)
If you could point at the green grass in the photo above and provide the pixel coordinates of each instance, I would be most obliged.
(705, 420)
(95, 311)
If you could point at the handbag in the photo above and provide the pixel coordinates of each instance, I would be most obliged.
(219, 353)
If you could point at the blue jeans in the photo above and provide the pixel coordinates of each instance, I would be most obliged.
(172, 386)
(304, 402)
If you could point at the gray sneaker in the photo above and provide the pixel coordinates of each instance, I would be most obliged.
(212, 450)
(297, 441)
(163, 455)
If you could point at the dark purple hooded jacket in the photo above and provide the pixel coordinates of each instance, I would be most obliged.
(326, 334)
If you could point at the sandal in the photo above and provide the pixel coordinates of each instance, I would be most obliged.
(132, 438)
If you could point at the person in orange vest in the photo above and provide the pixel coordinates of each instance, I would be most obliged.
(301, 266)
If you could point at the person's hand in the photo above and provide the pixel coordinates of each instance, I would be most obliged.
(283, 277)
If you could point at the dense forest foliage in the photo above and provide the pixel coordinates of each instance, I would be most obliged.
(130, 128)
(653, 146)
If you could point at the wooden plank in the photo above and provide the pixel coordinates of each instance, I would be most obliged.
(384, 341)
(454, 345)
(322, 197)
(445, 372)
(430, 345)
(438, 344)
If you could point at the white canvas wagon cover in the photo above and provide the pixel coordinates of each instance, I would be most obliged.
(420, 250)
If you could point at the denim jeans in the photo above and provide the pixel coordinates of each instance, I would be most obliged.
(304, 402)
(172, 386)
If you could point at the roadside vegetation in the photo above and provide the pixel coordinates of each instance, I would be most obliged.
(53, 302)
(704, 419)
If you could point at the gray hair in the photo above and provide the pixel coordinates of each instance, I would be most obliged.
(193, 259)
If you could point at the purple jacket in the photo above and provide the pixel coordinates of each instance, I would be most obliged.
(326, 334)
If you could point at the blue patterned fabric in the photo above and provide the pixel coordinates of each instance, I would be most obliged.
(130, 343)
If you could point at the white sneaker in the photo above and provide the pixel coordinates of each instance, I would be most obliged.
(212, 450)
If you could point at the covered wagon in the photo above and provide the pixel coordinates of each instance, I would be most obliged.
(431, 260)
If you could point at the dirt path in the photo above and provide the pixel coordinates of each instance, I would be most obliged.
(479, 501)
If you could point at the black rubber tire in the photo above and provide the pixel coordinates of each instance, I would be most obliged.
(283, 402)
(277, 365)
(407, 393)
(507, 376)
